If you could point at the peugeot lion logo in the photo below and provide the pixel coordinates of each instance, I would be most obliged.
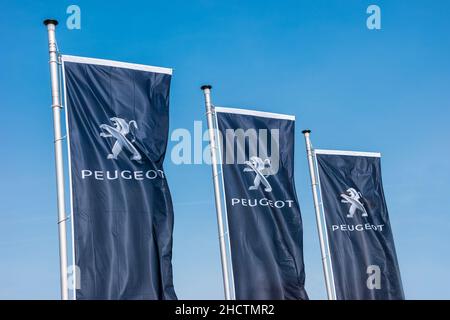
(353, 198)
(262, 169)
(119, 132)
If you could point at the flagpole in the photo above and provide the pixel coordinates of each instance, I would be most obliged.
(213, 146)
(312, 172)
(56, 107)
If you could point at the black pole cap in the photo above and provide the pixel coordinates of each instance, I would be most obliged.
(306, 131)
(206, 86)
(51, 21)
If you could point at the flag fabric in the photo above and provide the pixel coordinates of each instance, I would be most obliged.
(117, 123)
(264, 221)
(363, 259)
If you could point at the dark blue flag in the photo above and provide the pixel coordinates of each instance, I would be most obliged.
(265, 226)
(118, 119)
(363, 258)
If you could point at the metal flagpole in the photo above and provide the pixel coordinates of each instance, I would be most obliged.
(312, 172)
(56, 107)
(213, 146)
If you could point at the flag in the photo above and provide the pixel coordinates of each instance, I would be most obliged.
(121, 208)
(363, 259)
(264, 221)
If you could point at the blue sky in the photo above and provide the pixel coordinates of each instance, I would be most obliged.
(357, 89)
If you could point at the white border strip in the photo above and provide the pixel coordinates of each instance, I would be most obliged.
(255, 113)
(69, 159)
(325, 226)
(118, 64)
(224, 198)
(348, 153)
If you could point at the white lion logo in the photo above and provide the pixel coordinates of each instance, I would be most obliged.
(262, 170)
(120, 130)
(353, 198)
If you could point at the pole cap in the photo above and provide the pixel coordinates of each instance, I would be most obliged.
(306, 131)
(206, 86)
(51, 21)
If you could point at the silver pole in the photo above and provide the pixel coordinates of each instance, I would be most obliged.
(213, 146)
(312, 172)
(56, 107)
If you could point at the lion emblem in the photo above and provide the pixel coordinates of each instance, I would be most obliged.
(119, 131)
(262, 169)
(353, 197)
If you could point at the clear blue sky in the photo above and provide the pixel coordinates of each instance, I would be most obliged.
(385, 91)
